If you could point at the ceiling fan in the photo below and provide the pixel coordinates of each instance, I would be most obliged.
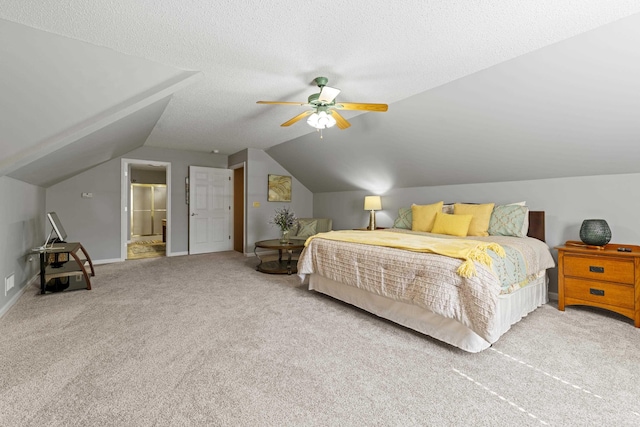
(323, 105)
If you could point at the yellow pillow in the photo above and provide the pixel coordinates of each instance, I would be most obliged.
(454, 225)
(481, 216)
(423, 216)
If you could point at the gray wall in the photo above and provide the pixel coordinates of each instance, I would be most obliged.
(22, 218)
(566, 201)
(96, 222)
(259, 166)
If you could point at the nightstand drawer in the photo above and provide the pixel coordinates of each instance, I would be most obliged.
(603, 293)
(600, 268)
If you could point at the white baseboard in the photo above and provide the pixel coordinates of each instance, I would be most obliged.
(178, 253)
(14, 299)
(106, 261)
(112, 260)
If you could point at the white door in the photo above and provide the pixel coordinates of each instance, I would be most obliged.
(210, 212)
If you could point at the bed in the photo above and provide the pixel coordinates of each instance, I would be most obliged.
(424, 291)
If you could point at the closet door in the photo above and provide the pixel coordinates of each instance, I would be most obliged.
(159, 207)
(141, 210)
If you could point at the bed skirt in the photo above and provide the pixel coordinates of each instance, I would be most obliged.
(511, 309)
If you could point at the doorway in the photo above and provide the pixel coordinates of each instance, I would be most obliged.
(238, 208)
(146, 209)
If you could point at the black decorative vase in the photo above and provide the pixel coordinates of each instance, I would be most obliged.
(595, 232)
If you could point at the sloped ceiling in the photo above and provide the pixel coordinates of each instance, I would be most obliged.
(68, 105)
(436, 63)
(570, 109)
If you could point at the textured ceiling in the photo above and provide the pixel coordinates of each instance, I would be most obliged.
(375, 51)
(569, 109)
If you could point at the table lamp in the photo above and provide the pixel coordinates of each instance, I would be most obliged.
(372, 204)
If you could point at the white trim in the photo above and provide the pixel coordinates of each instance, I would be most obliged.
(107, 261)
(178, 253)
(124, 200)
(14, 299)
(553, 296)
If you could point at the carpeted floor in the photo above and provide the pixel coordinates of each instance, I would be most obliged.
(207, 340)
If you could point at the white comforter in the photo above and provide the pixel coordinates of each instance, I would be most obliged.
(423, 279)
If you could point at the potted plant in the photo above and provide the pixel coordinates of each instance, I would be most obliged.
(286, 220)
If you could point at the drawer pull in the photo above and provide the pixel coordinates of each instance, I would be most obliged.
(599, 292)
(596, 269)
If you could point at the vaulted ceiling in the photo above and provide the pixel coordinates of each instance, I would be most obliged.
(477, 91)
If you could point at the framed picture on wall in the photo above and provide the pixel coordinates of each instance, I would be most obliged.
(279, 188)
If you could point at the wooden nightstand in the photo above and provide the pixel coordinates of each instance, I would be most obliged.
(605, 278)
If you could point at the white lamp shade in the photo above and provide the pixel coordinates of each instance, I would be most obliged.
(372, 203)
(321, 120)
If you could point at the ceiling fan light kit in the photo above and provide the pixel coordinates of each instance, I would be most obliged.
(321, 120)
(323, 114)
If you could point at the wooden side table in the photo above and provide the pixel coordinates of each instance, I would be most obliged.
(608, 278)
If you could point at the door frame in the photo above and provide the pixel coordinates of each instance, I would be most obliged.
(125, 171)
(243, 214)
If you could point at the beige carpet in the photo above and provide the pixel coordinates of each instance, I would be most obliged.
(207, 340)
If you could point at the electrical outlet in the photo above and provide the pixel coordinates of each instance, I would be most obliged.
(8, 283)
(87, 195)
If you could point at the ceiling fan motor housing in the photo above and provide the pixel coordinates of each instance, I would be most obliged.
(321, 81)
(314, 100)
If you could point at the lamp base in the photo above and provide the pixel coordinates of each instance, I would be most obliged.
(372, 221)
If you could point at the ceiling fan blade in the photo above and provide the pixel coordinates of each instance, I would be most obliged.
(362, 106)
(328, 94)
(297, 118)
(341, 122)
(281, 103)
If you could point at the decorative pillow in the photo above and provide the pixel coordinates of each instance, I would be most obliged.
(448, 209)
(454, 225)
(307, 228)
(404, 219)
(525, 223)
(508, 220)
(423, 216)
(481, 216)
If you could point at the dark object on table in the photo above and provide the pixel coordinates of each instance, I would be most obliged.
(595, 232)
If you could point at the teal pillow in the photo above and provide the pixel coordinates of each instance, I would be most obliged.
(404, 219)
(508, 220)
(307, 228)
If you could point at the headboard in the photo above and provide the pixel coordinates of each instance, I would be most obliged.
(536, 225)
